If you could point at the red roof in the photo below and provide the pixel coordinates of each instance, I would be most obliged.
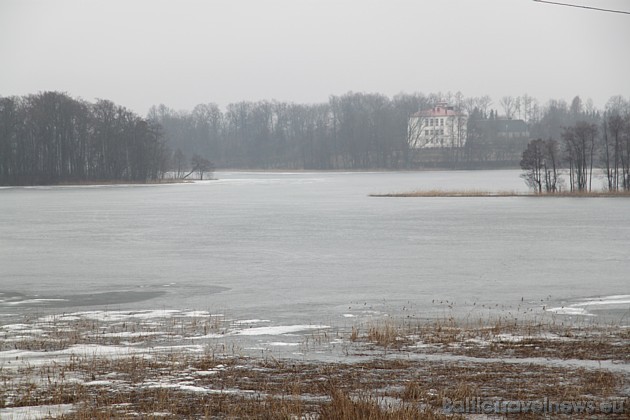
(437, 111)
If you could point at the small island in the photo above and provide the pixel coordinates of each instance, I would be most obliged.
(480, 193)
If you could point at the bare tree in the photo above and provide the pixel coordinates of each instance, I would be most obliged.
(532, 164)
(508, 103)
(550, 163)
(580, 147)
(201, 166)
(178, 163)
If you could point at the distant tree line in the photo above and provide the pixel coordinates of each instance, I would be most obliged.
(356, 131)
(352, 131)
(582, 142)
(50, 137)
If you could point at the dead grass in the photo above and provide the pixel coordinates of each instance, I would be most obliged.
(343, 407)
(62, 333)
(482, 193)
(380, 385)
(499, 338)
(378, 389)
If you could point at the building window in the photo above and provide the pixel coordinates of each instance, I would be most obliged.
(441, 121)
(426, 132)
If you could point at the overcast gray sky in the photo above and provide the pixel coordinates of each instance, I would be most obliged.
(181, 53)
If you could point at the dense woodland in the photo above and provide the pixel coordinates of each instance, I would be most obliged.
(50, 137)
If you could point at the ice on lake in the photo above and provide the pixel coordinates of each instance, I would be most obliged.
(311, 249)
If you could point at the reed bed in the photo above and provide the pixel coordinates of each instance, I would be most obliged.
(484, 193)
(384, 371)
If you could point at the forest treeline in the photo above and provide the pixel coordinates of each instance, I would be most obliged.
(362, 131)
(353, 131)
(587, 149)
(50, 137)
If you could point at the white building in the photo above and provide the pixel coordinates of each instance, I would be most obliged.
(439, 127)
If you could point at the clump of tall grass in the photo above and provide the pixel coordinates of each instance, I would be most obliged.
(499, 336)
(453, 193)
(484, 193)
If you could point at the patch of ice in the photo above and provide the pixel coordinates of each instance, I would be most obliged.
(22, 329)
(43, 357)
(230, 391)
(251, 321)
(578, 308)
(98, 383)
(111, 316)
(192, 388)
(206, 372)
(35, 412)
(59, 318)
(509, 338)
(569, 310)
(349, 316)
(281, 344)
(183, 387)
(617, 297)
(129, 334)
(606, 300)
(477, 341)
(27, 301)
(193, 314)
(157, 313)
(97, 350)
(191, 348)
(421, 345)
(279, 330)
(206, 336)
(17, 327)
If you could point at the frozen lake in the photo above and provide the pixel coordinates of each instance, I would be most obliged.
(311, 248)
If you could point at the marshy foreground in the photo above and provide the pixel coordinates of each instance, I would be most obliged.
(172, 364)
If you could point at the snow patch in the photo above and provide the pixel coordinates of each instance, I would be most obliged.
(98, 383)
(35, 412)
(129, 334)
(606, 300)
(279, 330)
(569, 310)
(578, 308)
(29, 301)
(251, 321)
(181, 387)
(196, 314)
(113, 316)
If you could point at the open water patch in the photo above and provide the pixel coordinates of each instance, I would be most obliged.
(14, 299)
(611, 306)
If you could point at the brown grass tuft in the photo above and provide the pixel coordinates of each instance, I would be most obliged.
(482, 193)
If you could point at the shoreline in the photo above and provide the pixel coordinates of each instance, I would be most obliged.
(111, 183)
(475, 193)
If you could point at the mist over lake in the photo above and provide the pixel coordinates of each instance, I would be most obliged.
(309, 247)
